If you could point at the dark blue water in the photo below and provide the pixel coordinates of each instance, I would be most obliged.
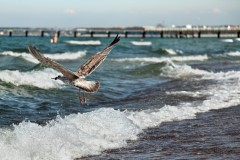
(149, 99)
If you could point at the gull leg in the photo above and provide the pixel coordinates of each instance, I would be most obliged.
(84, 98)
(79, 96)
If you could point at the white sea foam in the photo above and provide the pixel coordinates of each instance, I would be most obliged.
(173, 70)
(222, 75)
(41, 79)
(68, 138)
(25, 56)
(66, 56)
(56, 56)
(90, 42)
(228, 40)
(225, 93)
(164, 59)
(237, 53)
(141, 43)
(91, 133)
(189, 93)
(237, 39)
(173, 52)
(181, 71)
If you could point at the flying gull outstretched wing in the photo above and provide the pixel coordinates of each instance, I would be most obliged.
(47, 61)
(89, 66)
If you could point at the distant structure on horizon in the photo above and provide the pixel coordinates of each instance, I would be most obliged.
(185, 31)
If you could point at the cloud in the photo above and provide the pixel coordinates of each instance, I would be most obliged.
(69, 11)
(217, 10)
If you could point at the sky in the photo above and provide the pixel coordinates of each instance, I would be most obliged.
(117, 13)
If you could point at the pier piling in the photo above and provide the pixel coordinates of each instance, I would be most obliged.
(91, 34)
(238, 34)
(42, 33)
(58, 33)
(126, 34)
(143, 34)
(75, 34)
(199, 34)
(26, 33)
(218, 34)
(161, 34)
(10, 34)
(180, 34)
(108, 34)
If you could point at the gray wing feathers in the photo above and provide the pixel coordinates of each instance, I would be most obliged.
(89, 66)
(47, 61)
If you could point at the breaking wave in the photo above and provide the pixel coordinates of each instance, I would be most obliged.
(56, 56)
(173, 52)
(90, 133)
(40, 79)
(224, 93)
(141, 43)
(173, 70)
(68, 138)
(237, 53)
(228, 40)
(90, 42)
(164, 59)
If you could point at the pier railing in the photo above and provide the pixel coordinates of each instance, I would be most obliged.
(102, 32)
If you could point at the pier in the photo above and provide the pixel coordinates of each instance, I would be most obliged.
(124, 32)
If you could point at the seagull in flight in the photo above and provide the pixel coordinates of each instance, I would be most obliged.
(77, 78)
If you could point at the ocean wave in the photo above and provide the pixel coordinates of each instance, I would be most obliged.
(56, 56)
(237, 53)
(141, 43)
(195, 94)
(90, 42)
(224, 93)
(164, 59)
(90, 133)
(74, 136)
(227, 40)
(173, 70)
(222, 75)
(222, 96)
(40, 79)
(172, 51)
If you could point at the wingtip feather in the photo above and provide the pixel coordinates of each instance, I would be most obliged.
(32, 49)
(116, 40)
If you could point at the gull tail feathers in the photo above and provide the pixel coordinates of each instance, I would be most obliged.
(89, 86)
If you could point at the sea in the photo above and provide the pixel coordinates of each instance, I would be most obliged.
(168, 98)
